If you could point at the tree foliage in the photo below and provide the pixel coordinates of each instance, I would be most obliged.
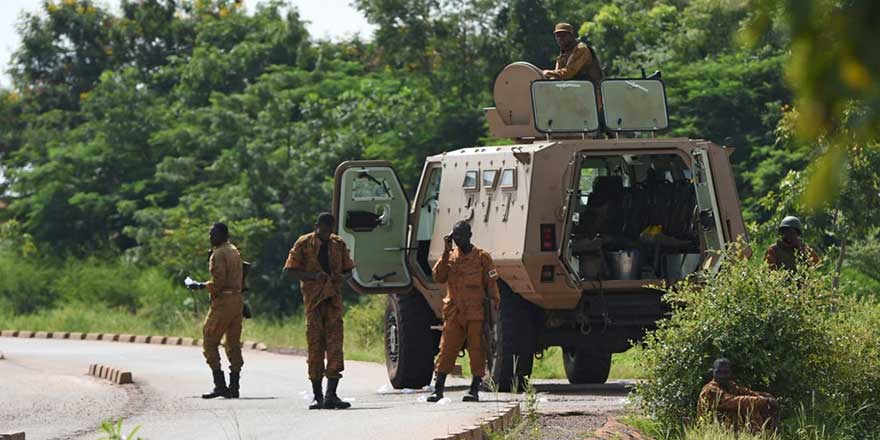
(126, 133)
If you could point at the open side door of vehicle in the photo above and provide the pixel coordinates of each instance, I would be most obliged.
(707, 204)
(570, 201)
(372, 211)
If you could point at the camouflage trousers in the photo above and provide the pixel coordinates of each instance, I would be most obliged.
(224, 319)
(455, 333)
(324, 337)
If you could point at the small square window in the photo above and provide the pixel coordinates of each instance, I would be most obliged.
(470, 180)
(508, 179)
(490, 178)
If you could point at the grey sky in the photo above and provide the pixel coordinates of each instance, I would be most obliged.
(328, 19)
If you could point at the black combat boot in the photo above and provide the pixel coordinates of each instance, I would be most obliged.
(439, 385)
(233, 385)
(318, 401)
(220, 389)
(473, 394)
(332, 401)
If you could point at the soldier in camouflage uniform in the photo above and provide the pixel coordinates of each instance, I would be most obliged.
(470, 278)
(577, 60)
(736, 406)
(225, 316)
(789, 250)
(321, 263)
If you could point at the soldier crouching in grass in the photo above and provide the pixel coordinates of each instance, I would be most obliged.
(321, 263)
(225, 315)
(736, 406)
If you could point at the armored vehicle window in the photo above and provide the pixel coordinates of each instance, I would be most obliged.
(508, 178)
(634, 105)
(367, 187)
(490, 178)
(565, 106)
(470, 180)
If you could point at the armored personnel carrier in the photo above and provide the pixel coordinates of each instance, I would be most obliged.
(583, 212)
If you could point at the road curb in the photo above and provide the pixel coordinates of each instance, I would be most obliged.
(506, 419)
(115, 337)
(112, 374)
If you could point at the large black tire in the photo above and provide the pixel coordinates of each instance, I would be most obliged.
(410, 344)
(515, 340)
(586, 366)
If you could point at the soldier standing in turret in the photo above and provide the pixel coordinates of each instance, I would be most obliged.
(576, 60)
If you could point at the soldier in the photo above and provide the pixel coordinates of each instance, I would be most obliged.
(789, 249)
(734, 405)
(576, 60)
(321, 263)
(225, 316)
(470, 275)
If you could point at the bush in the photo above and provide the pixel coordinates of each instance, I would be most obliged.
(788, 334)
(365, 327)
(25, 283)
(94, 281)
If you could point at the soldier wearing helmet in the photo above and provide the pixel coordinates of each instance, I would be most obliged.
(577, 60)
(789, 249)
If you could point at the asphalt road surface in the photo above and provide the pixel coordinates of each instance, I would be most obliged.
(45, 391)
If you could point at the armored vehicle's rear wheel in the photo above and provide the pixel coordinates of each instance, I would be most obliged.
(513, 341)
(410, 344)
(586, 366)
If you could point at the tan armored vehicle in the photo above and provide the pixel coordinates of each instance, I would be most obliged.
(578, 227)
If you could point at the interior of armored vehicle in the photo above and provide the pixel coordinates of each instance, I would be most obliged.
(634, 217)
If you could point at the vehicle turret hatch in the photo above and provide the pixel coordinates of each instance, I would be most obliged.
(634, 105)
(565, 106)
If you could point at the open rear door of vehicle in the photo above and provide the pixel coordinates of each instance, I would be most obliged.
(372, 211)
(707, 203)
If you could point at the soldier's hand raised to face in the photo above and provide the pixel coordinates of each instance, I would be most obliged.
(447, 242)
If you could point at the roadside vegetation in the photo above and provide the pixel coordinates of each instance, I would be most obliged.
(127, 132)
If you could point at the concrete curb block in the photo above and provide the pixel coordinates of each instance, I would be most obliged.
(113, 337)
(112, 374)
(508, 417)
(15, 436)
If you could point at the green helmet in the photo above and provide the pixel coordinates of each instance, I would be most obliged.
(793, 223)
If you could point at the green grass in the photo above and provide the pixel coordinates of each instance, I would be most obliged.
(623, 365)
(288, 332)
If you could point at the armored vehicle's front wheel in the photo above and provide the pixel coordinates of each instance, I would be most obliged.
(512, 341)
(586, 366)
(410, 344)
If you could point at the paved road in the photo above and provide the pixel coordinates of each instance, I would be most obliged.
(44, 391)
